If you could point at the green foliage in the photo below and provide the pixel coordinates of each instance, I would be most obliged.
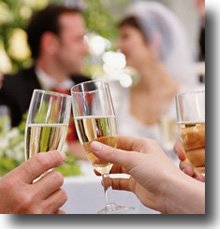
(102, 16)
(99, 19)
(70, 167)
(7, 164)
(12, 152)
(15, 14)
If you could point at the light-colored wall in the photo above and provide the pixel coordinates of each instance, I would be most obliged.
(187, 12)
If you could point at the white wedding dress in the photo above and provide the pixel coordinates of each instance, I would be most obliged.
(128, 125)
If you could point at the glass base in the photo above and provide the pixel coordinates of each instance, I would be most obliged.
(116, 209)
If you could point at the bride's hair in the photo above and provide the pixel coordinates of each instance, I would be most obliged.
(160, 26)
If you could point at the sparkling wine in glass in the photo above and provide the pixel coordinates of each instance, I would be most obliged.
(47, 122)
(95, 120)
(191, 124)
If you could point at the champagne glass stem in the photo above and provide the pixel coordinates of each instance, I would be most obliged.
(111, 207)
(107, 184)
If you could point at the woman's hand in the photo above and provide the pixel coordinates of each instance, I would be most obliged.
(185, 165)
(155, 179)
(147, 164)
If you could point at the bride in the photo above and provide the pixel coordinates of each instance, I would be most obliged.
(154, 43)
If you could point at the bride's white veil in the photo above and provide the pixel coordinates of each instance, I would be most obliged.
(161, 27)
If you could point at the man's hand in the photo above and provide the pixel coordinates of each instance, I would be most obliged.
(19, 195)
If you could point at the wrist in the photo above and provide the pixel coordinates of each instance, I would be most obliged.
(184, 195)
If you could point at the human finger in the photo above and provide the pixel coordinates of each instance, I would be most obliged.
(49, 183)
(130, 143)
(55, 201)
(109, 154)
(197, 157)
(199, 177)
(179, 150)
(37, 165)
(60, 212)
(186, 168)
(118, 169)
(122, 184)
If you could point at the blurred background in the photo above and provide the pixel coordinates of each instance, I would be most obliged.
(103, 61)
(101, 18)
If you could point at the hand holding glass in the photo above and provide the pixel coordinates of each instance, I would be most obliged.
(94, 119)
(191, 123)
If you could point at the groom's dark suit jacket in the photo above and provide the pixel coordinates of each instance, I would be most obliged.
(17, 91)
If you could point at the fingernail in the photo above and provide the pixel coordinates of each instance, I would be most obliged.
(96, 146)
(63, 155)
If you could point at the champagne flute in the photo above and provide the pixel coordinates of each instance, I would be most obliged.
(94, 119)
(168, 128)
(191, 123)
(47, 122)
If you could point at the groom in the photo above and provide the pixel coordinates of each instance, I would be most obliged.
(56, 39)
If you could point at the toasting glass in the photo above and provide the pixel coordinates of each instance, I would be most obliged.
(191, 123)
(94, 119)
(47, 122)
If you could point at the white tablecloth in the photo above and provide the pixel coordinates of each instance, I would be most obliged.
(86, 195)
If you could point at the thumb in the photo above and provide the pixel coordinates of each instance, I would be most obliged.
(113, 155)
(37, 165)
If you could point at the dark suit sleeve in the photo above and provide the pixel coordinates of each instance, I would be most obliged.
(7, 98)
(17, 91)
